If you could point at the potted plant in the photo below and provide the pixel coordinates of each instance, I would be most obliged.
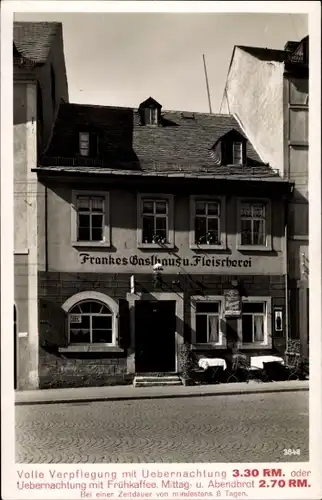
(157, 238)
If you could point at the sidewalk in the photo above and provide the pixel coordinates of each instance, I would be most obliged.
(128, 392)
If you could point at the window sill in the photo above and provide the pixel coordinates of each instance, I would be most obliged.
(255, 248)
(200, 347)
(90, 348)
(91, 244)
(170, 246)
(203, 246)
(21, 251)
(254, 346)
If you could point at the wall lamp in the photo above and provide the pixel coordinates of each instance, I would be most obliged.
(157, 274)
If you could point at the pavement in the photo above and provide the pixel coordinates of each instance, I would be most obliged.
(129, 392)
(259, 427)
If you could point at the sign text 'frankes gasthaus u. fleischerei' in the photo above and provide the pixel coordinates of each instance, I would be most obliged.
(138, 258)
(176, 261)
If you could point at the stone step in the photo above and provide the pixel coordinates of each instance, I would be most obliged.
(151, 378)
(141, 381)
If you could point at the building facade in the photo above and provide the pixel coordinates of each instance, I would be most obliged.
(157, 229)
(267, 90)
(40, 82)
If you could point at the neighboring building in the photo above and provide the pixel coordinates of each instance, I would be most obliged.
(157, 228)
(40, 83)
(267, 90)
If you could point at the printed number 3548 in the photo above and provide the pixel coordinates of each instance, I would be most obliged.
(292, 451)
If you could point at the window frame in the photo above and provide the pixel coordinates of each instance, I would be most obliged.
(222, 344)
(107, 344)
(222, 222)
(267, 343)
(170, 216)
(106, 242)
(268, 224)
(105, 300)
(149, 113)
(80, 134)
(241, 145)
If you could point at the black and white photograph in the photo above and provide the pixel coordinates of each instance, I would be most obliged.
(161, 289)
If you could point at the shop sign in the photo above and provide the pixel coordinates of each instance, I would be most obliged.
(171, 261)
(232, 302)
(75, 318)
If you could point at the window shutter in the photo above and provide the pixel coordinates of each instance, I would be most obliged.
(124, 324)
(53, 331)
(227, 152)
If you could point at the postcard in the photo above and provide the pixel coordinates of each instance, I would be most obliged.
(161, 250)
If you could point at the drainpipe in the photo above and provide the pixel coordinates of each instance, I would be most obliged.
(287, 299)
(46, 229)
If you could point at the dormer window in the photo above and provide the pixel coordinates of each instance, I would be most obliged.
(231, 148)
(88, 144)
(150, 112)
(151, 116)
(237, 153)
(84, 143)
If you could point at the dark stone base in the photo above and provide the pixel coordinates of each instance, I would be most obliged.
(66, 382)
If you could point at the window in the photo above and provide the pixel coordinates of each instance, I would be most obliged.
(90, 322)
(207, 222)
(155, 221)
(88, 144)
(90, 219)
(253, 223)
(84, 143)
(206, 317)
(151, 116)
(207, 323)
(237, 153)
(253, 322)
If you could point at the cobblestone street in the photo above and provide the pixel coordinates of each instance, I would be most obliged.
(245, 428)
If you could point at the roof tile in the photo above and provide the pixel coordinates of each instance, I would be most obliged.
(33, 40)
(179, 146)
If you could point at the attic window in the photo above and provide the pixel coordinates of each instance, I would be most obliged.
(151, 116)
(84, 143)
(88, 144)
(237, 153)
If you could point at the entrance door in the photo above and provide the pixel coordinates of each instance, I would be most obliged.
(155, 326)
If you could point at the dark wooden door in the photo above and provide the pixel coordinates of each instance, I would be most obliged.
(155, 324)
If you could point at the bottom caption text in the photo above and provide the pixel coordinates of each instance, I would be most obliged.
(162, 483)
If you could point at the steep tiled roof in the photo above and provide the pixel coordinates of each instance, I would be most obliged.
(180, 146)
(265, 54)
(33, 40)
